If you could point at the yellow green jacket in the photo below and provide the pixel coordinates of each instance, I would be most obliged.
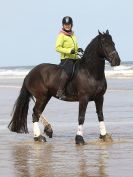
(64, 45)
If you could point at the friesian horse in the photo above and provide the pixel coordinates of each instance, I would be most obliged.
(88, 84)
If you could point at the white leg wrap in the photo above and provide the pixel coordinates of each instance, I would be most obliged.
(102, 128)
(36, 129)
(80, 130)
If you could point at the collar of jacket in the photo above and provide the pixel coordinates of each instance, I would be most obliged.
(67, 33)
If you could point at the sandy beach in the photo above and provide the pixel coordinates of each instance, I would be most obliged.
(20, 156)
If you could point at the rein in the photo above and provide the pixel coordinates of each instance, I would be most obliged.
(80, 54)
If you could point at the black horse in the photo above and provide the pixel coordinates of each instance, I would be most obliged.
(88, 84)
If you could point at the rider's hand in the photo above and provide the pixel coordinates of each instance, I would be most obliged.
(72, 51)
(80, 50)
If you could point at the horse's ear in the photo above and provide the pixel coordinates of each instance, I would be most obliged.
(99, 32)
(107, 31)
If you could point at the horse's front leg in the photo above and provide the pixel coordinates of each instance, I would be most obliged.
(99, 109)
(83, 101)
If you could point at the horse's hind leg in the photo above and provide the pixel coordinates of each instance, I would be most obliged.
(40, 104)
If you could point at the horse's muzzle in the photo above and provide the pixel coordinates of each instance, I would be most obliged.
(115, 59)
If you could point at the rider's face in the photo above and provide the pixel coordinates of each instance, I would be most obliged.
(67, 27)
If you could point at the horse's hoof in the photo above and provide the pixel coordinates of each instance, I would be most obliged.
(106, 138)
(79, 140)
(40, 138)
(48, 131)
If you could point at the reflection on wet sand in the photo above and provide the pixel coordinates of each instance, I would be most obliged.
(92, 167)
(21, 158)
(32, 160)
(56, 160)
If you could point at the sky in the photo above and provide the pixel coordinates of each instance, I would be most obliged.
(29, 28)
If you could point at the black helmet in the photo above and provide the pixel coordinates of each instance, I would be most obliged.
(67, 20)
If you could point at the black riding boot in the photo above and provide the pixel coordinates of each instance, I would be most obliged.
(63, 80)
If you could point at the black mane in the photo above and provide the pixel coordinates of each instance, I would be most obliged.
(92, 43)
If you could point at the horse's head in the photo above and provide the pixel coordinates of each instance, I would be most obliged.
(107, 49)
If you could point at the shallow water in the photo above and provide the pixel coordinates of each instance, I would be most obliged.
(20, 156)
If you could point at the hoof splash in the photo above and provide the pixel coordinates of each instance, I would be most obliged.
(106, 138)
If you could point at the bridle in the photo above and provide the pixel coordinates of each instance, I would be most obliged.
(110, 53)
(113, 52)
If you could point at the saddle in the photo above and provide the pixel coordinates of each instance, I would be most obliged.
(70, 70)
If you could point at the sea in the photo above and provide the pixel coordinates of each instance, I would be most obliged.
(124, 71)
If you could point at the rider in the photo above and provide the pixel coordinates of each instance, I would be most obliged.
(67, 46)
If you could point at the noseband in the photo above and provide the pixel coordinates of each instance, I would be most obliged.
(113, 52)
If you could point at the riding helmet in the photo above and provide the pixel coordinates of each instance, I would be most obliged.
(67, 20)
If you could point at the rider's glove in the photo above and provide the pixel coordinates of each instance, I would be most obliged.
(72, 51)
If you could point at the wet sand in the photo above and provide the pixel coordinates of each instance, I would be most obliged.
(20, 156)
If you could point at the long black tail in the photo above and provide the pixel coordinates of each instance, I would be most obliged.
(19, 120)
